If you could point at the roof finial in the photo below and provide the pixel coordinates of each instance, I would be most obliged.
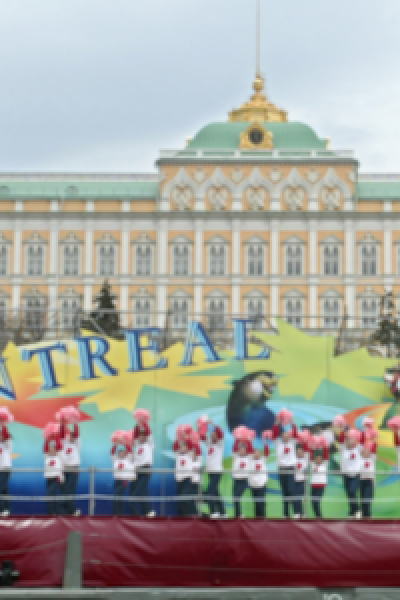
(258, 84)
(258, 35)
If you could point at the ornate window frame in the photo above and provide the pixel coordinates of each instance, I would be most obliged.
(331, 241)
(256, 296)
(294, 241)
(180, 242)
(109, 241)
(256, 240)
(143, 241)
(143, 316)
(180, 308)
(71, 240)
(6, 244)
(370, 319)
(68, 311)
(35, 241)
(294, 312)
(368, 241)
(214, 314)
(327, 318)
(220, 241)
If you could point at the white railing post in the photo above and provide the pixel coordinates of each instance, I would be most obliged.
(91, 491)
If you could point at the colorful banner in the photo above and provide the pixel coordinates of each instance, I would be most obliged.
(107, 379)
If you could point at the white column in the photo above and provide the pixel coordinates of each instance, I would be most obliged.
(313, 247)
(161, 304)
(387, 249)
(236, 300)
(125, 252)
(313, 303)
(162, 243)
(349, 247)
(17, 249)
(274, 247)
(350, 268)
(198, 301)
(198, 248)
(54, 269)
(16, 289)
(124, 291)
(87, 300)
(274, 306)
(89, 251)
(236, 247)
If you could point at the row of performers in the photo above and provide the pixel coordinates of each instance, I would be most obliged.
(300, 457)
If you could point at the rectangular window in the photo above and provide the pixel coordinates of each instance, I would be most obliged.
(142, 309)
(294, 260)
(143, 260)
(255, 260)
(369, 260)
(255, 312)
(331, 260)
(107, 255)
(179, 314)
(70, 308)
(35, 259)
(34, 312)
(294, 312)
(217, 260)
(216, 314)
(331, 310)
(71, 259)
(181, 260)
(369, 312)
(3, 260)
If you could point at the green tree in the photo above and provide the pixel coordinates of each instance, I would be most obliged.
(105, 318)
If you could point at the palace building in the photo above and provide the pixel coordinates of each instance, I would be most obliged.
(255, 216)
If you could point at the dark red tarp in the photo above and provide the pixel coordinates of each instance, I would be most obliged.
(201, 553)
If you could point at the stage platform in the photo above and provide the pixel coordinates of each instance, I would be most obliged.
(199, 553)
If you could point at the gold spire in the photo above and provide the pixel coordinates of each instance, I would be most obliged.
(258, 108)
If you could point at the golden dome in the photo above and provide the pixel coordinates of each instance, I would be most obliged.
(258, 108)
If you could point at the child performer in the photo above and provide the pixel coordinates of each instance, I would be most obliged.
(319, 469)
(71, 457)
(285, 433)
(5, 460)
(258, 480)
(394, 423)
(53, 466)
(351, 467)
(144, 452)
(123, 468)
(183, 471)
(241, 465)
(197, 462)
(215, 455)
(367, 481)
(302, 463)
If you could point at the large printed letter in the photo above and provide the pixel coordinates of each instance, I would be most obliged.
(88, 357)
(196, 332)
(240, 337)
(45, 363)
(8, 391)
(135, 349)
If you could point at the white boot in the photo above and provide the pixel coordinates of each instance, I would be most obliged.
(358, 514)
(151, 514)
(296, 516)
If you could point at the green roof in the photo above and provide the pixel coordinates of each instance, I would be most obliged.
(79, 188)
(378, 189)
(286, 135)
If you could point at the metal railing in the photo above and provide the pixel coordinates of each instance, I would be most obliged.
(97, 497)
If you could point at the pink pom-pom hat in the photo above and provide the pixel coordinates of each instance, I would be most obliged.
(141, 415)
(304, 436)
(121, 437)
(69, 414)
(371, 434)
(51, 430)
(183, 432)
(5, 415)
(267, 434)
(368, 446)
(339, 421)
(285, 416)
(202, 425)
(368, 422)
(394, 422)
(354, 434)
(240, 433)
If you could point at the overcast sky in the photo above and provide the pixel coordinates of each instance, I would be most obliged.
(103, 85)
